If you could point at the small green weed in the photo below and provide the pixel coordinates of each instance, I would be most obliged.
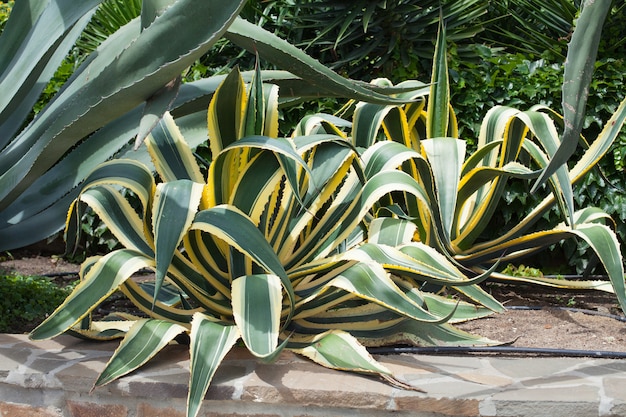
(26, 300)
(522, 271)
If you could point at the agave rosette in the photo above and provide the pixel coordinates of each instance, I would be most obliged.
(270, 249)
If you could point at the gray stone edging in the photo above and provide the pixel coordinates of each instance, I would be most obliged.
(54, 378)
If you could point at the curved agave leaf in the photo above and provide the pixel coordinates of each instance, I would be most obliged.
(35, 31)
(116, 81)
(143, 297)
(143, 341)
(108, 203)
(98, 282)
(369, 117)
(339, 350)
(596, 150)
(417, 333)
(218, 192)
(579, 66)
(371, 282)
(599, 237)
(171, 154)
(600, 145)
(210, 342)
(284, 55)
(119, 216)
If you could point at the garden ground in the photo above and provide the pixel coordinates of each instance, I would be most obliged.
(557, 323)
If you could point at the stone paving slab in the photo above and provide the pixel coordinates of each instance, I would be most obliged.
(55, 379)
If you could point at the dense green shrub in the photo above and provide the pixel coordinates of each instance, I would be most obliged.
(27, 300)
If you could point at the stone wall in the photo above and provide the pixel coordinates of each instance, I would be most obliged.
(55, 379)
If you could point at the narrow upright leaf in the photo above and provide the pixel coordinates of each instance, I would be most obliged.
(439, 99)
(579, 66)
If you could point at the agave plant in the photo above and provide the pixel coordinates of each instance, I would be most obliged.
(270, 249)
(119, 92)
(462, 192)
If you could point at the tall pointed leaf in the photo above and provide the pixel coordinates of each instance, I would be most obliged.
(438, 117)
(579, 66)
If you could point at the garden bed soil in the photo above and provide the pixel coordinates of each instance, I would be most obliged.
(554, 322)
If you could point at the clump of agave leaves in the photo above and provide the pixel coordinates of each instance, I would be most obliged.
(271, 248)
(462, 192)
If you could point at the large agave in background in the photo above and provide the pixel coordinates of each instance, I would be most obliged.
(119, 92)
(270, 249)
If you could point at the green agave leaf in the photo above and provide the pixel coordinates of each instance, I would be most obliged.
(226, 111)
(601, 144)
(142, 342)
(415, 260)
(436, 268)
(282, 148)
(129, 174)
(210, 342)
(446, 156)
(463, 311)
(418, 333)
(118, 215)
(596, 150)
(255, 184)
(257, 307)
(284, 55)
(544, 130)
(109, 80)
(35, 32)
(339, 350)
(110, 329)
(604, 243)
(156, 106)
(171, 154)
(369, 117)
(329, 164)
(97, 283)
(438, 111)
(579, 66)
(390, 231)
(175, 205)
(599, 285)
(254, 114)
(371, 282)
(143, 298)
